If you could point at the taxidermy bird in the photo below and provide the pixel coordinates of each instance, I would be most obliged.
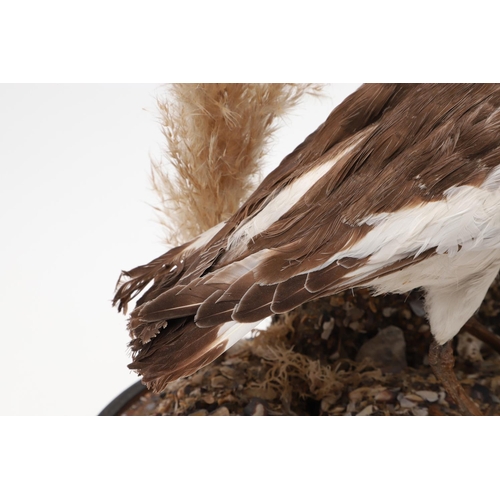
(398, 189)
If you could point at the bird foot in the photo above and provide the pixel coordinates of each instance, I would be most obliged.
(442, 362)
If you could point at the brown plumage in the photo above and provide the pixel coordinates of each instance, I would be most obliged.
(386, 153)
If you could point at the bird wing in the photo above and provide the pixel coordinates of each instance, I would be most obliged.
(378, 187)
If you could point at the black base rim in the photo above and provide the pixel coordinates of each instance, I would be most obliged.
(123, 400)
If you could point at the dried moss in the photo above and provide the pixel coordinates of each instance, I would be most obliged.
(292, 369)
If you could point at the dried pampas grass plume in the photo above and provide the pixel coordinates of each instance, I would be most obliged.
(216, 136)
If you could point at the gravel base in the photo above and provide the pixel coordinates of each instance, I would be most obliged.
(350, 354)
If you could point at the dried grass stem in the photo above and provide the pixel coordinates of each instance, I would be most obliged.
(216, 135)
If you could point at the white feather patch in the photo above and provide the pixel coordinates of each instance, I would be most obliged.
(234, 331)
(284, 201)
(204, 238)
(468, 219)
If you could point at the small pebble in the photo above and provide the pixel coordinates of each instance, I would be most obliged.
(359, 394)
(385, 396)
(208, 399)
(255, 408)
(366, 411)
(429, 396)
(337, 300)
(339, 410)
(222, 411)
(469, 347)
(387, 350)
(417, 307)
(199, 413)
(415, 398)
(356, 313)
(356, 326)
(327, 329)
(351, 407)
(420, 412)
(404, 402)
(387, 312)
(218, 382)
(348, 306)
(227, 372)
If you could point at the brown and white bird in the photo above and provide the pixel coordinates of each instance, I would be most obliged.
(398, 189)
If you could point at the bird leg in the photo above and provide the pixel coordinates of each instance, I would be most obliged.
(442, 361)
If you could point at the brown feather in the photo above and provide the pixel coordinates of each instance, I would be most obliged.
(214, 313)
(413, 143)
(255, 303)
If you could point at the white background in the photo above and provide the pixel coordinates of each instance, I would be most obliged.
(75, 209)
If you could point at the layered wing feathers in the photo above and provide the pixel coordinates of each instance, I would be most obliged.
(316, 225)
